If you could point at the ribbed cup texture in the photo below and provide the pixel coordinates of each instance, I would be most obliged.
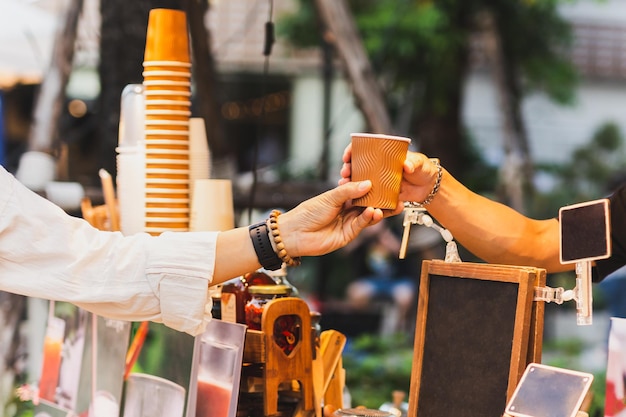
(379, 158)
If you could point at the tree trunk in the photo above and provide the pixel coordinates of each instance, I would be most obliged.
(205, 78)
(43, 134)
(439, 130)
(341, 32)
(516, 171)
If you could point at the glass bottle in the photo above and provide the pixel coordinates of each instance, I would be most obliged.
(216, 301)
(280, 276)
(260, 295)
(234, 295)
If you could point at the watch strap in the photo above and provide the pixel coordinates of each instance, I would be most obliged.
(259, 235)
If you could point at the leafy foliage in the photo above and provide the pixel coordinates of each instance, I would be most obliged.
(593, 171)
(376, 366)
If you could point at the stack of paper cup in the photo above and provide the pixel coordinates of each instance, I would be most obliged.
(130, 160)
(167, 85)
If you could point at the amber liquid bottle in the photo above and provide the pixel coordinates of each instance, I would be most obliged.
(235, 295)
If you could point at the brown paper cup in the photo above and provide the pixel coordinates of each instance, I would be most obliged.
(166, 94)
(165, 203)
(176, 115)
(162, 84)
(159, 172)
(167, 37)
(167, 125)
(379, 158)
(169, 136)
(160, 154)
(152, 216)
(167, 104)
(212, 205)
(155, 75)
(167, 66)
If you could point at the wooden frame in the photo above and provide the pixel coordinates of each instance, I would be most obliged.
(477, 329)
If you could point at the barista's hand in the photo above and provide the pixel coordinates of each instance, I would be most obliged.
(328, 221)
(418, 180)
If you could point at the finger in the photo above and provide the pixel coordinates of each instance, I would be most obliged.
(413, 161)
(346, 170)
(368, 217)
(348, 191)
(399, 209)
(347, 153)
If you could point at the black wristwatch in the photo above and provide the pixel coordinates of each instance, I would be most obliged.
(259, 234)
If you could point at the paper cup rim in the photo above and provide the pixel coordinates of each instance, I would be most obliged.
(153, 112)
(167, 64)
(165, 132)
(165, 219)
(170, 83)
(167, 139)
(159, 122)
(166, 200)
(380, 136)
(161, 160)
(167, 93)
(161, 102)
(167, 171)
(165, 152)
(168, 209)
(166, 73)
(160, 181)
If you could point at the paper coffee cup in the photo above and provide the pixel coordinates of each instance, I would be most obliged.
(167, 94)
(212, 205)
(379, 158)
(167, 36)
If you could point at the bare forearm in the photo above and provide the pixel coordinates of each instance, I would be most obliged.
(494, 232)
(234, 255)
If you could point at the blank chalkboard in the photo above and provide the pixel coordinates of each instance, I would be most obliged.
(477, 329)
(585, 231)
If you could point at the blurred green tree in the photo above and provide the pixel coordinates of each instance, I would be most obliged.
(422, 52)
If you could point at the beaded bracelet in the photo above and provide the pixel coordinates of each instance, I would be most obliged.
(280, 246)
(435, 189)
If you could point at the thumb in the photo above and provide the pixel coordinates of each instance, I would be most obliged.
(349, 191)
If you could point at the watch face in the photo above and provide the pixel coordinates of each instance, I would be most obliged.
(585, 232)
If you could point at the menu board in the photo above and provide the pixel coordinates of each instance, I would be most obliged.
(475, 333)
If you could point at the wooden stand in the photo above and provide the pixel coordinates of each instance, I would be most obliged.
(276, 366)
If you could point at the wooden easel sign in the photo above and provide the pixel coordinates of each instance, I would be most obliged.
(475, 333)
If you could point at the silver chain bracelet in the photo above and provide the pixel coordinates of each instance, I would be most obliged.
(435, 190)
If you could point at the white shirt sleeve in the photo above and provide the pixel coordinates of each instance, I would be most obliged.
(46, 253)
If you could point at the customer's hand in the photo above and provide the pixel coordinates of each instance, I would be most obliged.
(328, 221)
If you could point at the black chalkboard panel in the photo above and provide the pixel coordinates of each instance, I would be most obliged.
(585, 231)
(473, 334)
